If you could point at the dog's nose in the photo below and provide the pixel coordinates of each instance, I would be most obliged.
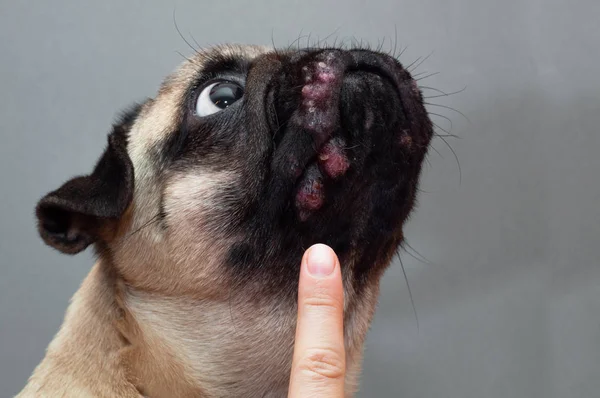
(377, 63)
(334, 80)
(348, 60)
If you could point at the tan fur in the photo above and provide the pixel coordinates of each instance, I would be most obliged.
(83, 360)
(159, 320)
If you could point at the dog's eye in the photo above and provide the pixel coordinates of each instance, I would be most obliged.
(218, 96)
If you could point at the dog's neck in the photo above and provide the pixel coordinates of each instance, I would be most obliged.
(216, 348)
(207, 348)
(140, 343)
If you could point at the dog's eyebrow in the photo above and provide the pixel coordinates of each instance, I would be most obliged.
(220, 63)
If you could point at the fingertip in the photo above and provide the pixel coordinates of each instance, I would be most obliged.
(320, 260)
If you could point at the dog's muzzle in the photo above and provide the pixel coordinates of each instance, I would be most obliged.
(330, 101)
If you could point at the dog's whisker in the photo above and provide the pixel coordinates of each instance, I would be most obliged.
(455, 157)
(427, 158)
(352, 147)
(416, 76)
(229, 299)
(436, 151)
(423, 258)
(448, 132)
(194, 49)
(402, 52)
(342, 44)
(148, 223)
(186, 58)
(393, 47)
(276, 121)
(350, 42)
(412, 63)
(380, 44)
(414, 68)
(295, 41)
(446, 135)
(297, 87)
(433, 89)
(273, 42)
(279, 128)
(198, 46)
(449, 108)
(443, 93)
(331, 34)
(412, 301)
(427, 76)
(276, 116)
(388, 50)
(308, 39)
(441, 128)
(360, 143)
(442, 117)
(395, 40)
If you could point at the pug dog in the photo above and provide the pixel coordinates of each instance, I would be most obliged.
(200, 210)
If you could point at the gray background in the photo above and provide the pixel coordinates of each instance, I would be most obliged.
(509, 297)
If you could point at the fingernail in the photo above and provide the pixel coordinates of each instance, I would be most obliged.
(320, 261)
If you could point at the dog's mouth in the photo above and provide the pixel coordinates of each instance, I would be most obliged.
(347, 114)
(330, 163)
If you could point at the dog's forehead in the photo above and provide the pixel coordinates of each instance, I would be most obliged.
(190, 68)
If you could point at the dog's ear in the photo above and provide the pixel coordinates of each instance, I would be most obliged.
(71, 217)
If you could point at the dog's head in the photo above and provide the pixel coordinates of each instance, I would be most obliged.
(245, 158)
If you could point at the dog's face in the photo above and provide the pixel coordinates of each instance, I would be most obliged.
(212, 190)
(245, 158)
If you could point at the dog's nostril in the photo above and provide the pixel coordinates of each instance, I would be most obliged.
(366, 85)
(364, 67)
(368, 101)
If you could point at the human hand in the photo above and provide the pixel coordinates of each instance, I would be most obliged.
(319, 362)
